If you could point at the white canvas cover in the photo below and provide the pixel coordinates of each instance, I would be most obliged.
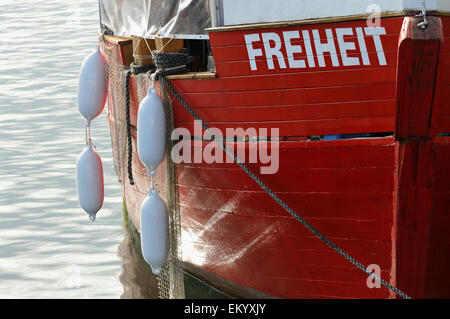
(146, 18)
(188, 19)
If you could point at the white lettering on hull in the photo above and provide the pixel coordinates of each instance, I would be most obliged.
(314, 48)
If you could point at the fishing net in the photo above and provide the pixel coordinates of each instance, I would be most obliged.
(170, 280)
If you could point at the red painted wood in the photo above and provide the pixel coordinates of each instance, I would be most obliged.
(416, 86)
(291, 98)
(322, 180)
(311, 127)
(355, 206)
(282, 80)
(414, 215)
(347, 189)
(231, 38)
(238, 52)
(440, 120)
(211, 216)
(322, 289)
(419, 52)
(333, 227)
(353, 93)
(350, 153)
(239, 68)
(442, 126)
(293, 112)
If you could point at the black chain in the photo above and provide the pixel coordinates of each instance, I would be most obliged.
(281, 202)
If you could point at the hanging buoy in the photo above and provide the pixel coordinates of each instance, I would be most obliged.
(154, 231)
(92, 85)
(151, 130)
(151, 142)
(90, 186)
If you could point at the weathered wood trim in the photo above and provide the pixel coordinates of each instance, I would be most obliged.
(192, 75)
(284, 24)
(418, 57)
(118, 40)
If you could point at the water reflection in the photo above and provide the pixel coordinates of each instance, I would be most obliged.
(137, 278)
(48, 246)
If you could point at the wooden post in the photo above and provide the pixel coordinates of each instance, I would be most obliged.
(418, 56)
(416, 78)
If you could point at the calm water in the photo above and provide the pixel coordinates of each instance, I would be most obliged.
(48, 246)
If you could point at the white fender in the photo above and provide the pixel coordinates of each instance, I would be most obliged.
(90, 186)
(92, 85)
(151, 130)
(154, 231)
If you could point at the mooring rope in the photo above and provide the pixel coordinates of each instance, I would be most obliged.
(129, 139)
(134, 69)
(279, 200)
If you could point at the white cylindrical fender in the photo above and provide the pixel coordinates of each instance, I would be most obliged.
(151, 130)
(154, 231)
(92, 85)
(90, 186)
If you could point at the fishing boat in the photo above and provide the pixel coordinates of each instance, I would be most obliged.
(329, 158)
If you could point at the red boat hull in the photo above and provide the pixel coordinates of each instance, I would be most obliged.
(383, 200)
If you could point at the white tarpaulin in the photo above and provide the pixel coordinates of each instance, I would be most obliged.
(167, 18)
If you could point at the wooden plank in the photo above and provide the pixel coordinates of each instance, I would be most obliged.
(414, 216)
(445, 25)
(291, 112)
(445, 63)
(440, 118)
(278, 81)
(192, 75)
(309, 127)
(442, 108)
(363, 92)
(226, 224)
(441, 204)
(419, 53)
(442, 178)
(356, 206)
(239, 68)
(319, 180)
(441, 147)
(438, 259)
(313, 289)
(315, 273)
(444, 95)
(234, 37)
(302, 155)
(118, 40)
(238, 52)
(442, 126)
(253, 246)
